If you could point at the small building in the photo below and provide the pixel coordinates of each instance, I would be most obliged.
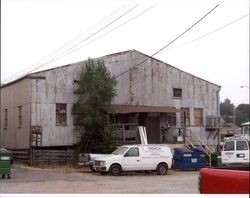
(245, 129)
(229, 130)
(36, 110)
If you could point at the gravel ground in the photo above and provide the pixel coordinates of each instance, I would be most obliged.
(25, 179)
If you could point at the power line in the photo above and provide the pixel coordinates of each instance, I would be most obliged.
(169, 42)
(63, 46)
(110, 23)
(91, 35)
(141, 13)
(209, 33)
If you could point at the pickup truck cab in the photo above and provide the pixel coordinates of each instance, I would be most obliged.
(136, 158)
(235, 151)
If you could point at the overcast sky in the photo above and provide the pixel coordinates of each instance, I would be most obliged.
(33, 29)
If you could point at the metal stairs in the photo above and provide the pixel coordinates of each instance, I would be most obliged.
(189, 143)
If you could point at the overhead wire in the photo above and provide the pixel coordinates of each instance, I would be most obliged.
(129, 20)
(88, 37)
(65, 45)
(160, 48)
(211, 32)
(165, 46)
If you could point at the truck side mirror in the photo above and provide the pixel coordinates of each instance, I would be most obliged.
(221, 145)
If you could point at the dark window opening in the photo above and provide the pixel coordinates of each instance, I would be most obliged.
(185, 117)
(177, 93)
(5, 118)
(19, 116)
(61, 114)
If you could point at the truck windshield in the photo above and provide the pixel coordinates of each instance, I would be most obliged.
(120, 150)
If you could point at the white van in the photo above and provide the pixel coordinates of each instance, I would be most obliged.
(136, 158)
(235, 151)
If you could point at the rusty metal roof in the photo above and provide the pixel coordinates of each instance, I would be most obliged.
(123, 109)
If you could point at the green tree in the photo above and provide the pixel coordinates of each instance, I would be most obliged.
(242, 113)
(227, 110)
(95, 93)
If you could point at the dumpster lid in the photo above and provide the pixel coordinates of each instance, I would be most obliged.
(183, 150)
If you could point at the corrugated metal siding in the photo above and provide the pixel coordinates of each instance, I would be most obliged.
(14, 95)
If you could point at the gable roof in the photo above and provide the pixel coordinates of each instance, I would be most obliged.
(109, 55)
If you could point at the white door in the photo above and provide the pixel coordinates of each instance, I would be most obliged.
(131, 160)
(242, 151)
(228, 153)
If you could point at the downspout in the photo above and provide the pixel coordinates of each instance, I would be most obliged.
(0, 112)
(30, 104)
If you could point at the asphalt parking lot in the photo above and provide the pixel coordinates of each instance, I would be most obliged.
(25, 179)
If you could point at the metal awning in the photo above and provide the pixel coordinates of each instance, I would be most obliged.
(123, 109)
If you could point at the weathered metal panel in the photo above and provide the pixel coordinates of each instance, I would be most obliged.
(12, 96)
(150, 84)
(58, 87)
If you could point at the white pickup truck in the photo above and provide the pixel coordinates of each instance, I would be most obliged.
(149, 157)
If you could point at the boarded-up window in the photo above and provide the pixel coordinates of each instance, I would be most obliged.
(198, 117)
(61, 114)
(177, 93)
(5, 118)
(19, 116)
(185, 117)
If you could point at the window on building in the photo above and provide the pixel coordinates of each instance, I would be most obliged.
(76, 84)
(198, 117)
(61, 114)
(185, 117)
(177, 93)
(5, 118)
(19, 116)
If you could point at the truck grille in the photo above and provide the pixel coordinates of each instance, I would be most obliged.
(97, 163)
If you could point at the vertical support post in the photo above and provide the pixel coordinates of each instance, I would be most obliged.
(210, 160)
(123, 133)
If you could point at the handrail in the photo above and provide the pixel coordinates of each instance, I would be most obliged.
(208, 152)
(203, 144)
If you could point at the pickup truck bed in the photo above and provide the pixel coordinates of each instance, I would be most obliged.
(224, 180)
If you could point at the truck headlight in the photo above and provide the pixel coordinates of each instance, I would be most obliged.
(102, 163)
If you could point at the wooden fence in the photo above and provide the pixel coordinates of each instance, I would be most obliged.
(21, 155)
(59, 157)
(39, 155)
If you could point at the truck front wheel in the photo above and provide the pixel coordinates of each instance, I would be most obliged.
(162, 169)
(92, 168)
(115, 170)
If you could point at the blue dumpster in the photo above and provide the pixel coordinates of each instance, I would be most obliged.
(187, 159)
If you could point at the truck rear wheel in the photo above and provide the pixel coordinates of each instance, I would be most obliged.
(115, 170)
(162, 169)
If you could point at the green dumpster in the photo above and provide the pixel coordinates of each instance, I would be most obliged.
(5, 162)
(216, 159)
